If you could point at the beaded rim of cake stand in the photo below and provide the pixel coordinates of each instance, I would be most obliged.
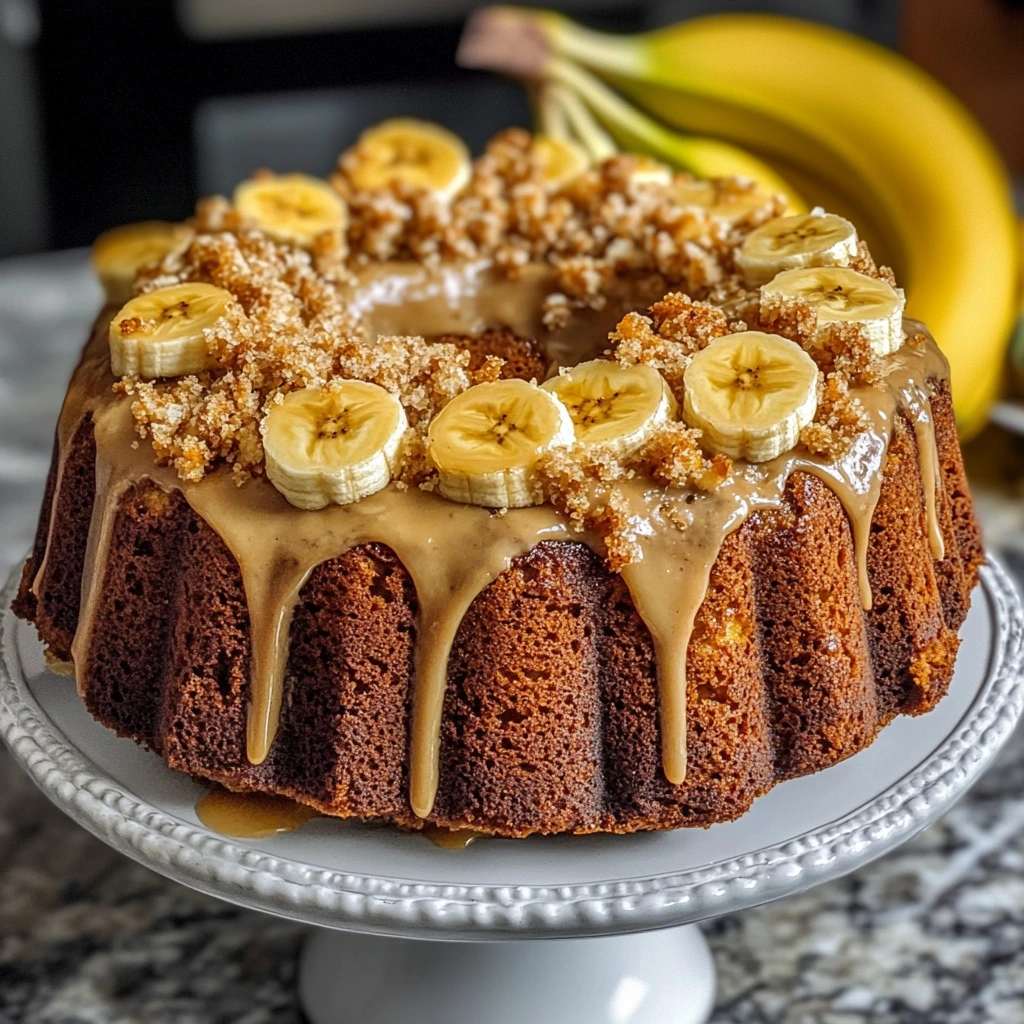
(384, 905)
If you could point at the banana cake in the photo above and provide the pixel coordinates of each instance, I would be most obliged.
(520, 494)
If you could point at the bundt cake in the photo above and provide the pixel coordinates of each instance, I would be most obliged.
(477, 496)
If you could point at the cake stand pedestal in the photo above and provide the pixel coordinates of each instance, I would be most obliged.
(660, 977)
(623, 907)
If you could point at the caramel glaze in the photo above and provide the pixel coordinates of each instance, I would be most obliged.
(452, 838)
(453, 551)
(251, 815)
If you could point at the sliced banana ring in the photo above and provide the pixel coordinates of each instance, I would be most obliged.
(291, 208)
(805, 240)
(648, 171)
(118, 254)
(162, 333)
(485, 443)
(560, 161)
(842, 295)
(333, 445)
(617, 406)
(404, 150)
(751, 394)
(731, 207)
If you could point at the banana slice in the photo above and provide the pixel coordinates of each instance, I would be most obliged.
(731, 207)
(405, 150)
(161, 333)
(648, 171)
(291, 208)
(806, 240)
(751, 394)
(842, 295)
(617, 406)
(485, 442)
(333, 445)
(118, 253)
(560, 160)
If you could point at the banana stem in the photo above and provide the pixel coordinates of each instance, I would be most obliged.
(634, 130)
(549, 111)
(612, 54)
(583, 125)
(615, 112)
(519, 41)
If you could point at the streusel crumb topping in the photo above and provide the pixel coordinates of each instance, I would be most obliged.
(608, 222)
(675, 329)
(291, 326)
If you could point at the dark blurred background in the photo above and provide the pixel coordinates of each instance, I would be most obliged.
(119, 110)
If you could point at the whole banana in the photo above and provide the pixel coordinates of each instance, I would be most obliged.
(861, 119)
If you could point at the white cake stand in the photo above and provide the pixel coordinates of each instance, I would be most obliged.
(371, 891)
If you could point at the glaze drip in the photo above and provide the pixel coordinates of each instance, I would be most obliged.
(452, 552)
(914, 399)
(928, 457)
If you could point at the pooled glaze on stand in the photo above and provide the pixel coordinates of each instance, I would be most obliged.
(452, 551)
(251, 815)
(452, 838)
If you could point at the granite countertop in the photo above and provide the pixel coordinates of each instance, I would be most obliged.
(931, 934)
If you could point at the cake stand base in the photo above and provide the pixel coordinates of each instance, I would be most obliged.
(661, 977)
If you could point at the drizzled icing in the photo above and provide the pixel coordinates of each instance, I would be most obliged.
(452, 551)
(669, 583)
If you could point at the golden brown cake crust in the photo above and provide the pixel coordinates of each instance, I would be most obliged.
(55, 610)
(551, 711)
(523, 357)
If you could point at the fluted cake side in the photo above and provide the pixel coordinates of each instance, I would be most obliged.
(550, 719)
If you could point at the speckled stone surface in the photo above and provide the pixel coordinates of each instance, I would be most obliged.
(931, 934)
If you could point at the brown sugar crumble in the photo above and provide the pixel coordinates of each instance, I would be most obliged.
(839, 418)
(673, 456)
(197, 420)
(292, 325)
(609, 222)
(579, 482)
(674, 331)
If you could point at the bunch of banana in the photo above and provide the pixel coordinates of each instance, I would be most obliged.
(1017, 347)
(855, 127)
